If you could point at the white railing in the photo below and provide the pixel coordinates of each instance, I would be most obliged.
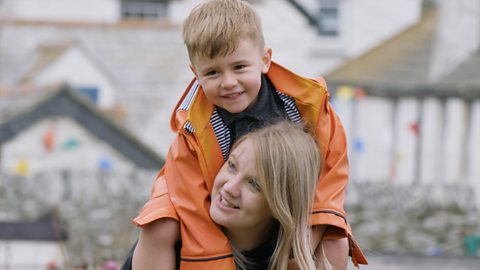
(417, 135)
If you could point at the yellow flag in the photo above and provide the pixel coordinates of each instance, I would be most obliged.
(21, 168)
(345, 92)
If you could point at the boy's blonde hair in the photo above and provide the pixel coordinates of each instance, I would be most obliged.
(288, 165)
(216, 27)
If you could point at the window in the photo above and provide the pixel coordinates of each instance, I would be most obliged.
(328, 22)
(90, 92)
(144, 9)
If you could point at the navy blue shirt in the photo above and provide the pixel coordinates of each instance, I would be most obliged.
(267, 109)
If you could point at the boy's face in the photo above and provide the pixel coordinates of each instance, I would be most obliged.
(232, 82)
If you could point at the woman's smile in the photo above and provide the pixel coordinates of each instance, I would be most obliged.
(225, 202)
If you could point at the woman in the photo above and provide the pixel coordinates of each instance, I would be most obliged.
(262, 197)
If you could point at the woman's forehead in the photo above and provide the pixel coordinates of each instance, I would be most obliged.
(244, 153)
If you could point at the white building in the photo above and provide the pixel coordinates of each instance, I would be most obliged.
(58, 129)
(130, 53)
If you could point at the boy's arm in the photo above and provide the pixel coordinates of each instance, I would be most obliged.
(330, 196)
(336, 251)
(202, 239)
(179, 192)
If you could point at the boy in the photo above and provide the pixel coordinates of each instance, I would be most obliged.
(236, 89)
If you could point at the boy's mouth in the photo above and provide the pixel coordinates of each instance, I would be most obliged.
(232, 95)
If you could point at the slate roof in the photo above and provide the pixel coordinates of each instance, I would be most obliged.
(46, 56)
(468, 73)
(19, 111)
(403, 60)
(401, 67)
(48, 228)
(146, 62)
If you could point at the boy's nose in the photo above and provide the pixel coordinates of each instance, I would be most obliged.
(228, 81)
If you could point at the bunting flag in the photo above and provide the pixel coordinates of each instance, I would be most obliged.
(21, 168)
(393, 169)
(360, 93)
(49, 138)
(397, 158)
(71, 143)
(345, 92)
(359, 145)
(105, 164)
(414, 127)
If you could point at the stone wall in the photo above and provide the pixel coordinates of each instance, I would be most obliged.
(427, 220)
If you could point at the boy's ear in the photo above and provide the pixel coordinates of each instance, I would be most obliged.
(267, 60)
(192, 68)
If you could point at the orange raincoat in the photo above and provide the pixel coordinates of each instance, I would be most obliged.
(182, 188)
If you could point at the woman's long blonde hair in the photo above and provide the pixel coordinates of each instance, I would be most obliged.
(288, 166)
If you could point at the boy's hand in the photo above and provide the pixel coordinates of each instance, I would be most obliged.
(316, 236)
(336, 251)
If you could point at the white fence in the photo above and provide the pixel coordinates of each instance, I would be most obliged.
(427, 136)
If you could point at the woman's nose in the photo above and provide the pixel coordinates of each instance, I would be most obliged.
(232, 187)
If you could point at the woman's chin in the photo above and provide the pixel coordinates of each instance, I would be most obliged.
(217, 217)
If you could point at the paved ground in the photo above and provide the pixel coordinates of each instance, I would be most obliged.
(402, 262)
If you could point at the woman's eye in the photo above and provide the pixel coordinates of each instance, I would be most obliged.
(231, 165)
(254, 184)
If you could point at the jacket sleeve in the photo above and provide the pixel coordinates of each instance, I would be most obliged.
(330, 196)
(202, 238)
(159, 205)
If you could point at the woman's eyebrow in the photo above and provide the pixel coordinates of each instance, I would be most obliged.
(232, 157)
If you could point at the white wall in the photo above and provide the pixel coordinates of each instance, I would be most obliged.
(104, 11)
(79, 70)
(363, 25)
(31, 255)
(367, 23)
(28, 147)
(404, 163)
(445, 145)
(456, 124)
(432, 136)
(371, 141)
(458, 35)
(473, 151)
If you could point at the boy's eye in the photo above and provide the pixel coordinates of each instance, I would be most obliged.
(253, 182)
(211, 73)
(240, 67)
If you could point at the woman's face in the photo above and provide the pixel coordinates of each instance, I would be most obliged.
(237, 201)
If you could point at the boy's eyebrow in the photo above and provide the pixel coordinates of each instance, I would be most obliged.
(243, 61)
(206, 69)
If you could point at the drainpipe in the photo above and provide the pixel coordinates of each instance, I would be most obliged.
(311, 19)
